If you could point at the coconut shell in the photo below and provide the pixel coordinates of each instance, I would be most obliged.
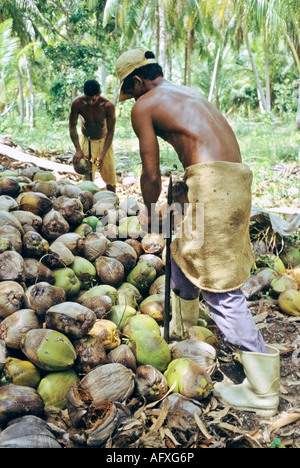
(72, 211)
(101, 421)
(15, 326)
(112, 382)
(28, 432)
(2, 354)
(73, 241)
(153, 244)
(54, 225)
(11, 298)
(7, 219)
(7, 203)
(90, 353)
(100, 305)
(12, 267)
(122, 252)
(86, 199)
(9, 186)
(59, 255)
(94, 245)
(42, 296)
(108, 332)
(150, 383)
(70, 318)
(28, 220)
(36, 272)
(202, 353)
(34, 245)
(153, 260)
(122, 355)
(16, 401)
(110, 271)
(12, 237)
(38, 203)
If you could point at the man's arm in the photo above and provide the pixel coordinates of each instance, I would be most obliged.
(73, 119)
(149, 150)
(111, 123)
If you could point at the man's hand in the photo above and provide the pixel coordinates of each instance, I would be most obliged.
(100, 163)
(79, 155)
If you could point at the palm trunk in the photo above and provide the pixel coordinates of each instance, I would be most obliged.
(21, 99)
(215, 73)
(162, 36)
(298, 113)
(267, 74)
(260, 92)
(31, 93)
(188, 58)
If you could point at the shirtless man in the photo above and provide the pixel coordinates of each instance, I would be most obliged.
(204, 142)
(97, 115)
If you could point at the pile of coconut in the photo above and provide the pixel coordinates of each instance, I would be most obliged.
(82, 295)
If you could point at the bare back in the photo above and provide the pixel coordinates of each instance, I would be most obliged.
(185, 119)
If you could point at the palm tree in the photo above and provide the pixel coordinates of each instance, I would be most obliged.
(8, 52)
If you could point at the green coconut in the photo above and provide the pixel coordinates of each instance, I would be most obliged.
(83, 230)
(22, 373)
(48, 349)
(154, 306)
(66, 279)
(92, 221)
(84, 270)
(55, 386)
(279, 285)
(188, 378)
(44, 175)
(127, 288)
(139, 323)
(289, 302)
(101, 290)
(150, 348)
(291, 257)
(272, 261)
(89, 186)
(120, 314)
(142, 276)
(202, 334)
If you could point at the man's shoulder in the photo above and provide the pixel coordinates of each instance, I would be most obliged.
(77, 102)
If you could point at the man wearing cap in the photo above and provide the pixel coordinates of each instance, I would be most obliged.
(218, 260)
(97, 115)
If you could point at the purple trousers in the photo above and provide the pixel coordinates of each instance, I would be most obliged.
(228, 310)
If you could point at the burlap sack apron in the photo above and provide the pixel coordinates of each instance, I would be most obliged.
(215, 253)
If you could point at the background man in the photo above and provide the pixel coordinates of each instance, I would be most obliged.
(97, 115)
(217, 178)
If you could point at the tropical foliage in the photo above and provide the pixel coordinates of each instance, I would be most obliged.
(244, 55)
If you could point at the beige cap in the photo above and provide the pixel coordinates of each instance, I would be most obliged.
(128, 62)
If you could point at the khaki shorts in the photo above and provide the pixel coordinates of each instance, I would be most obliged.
(108, 172)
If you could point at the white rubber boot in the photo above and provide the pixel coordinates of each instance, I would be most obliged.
(259, 391)
(185, 314)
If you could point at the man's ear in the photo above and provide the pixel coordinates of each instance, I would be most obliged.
(138, 80)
